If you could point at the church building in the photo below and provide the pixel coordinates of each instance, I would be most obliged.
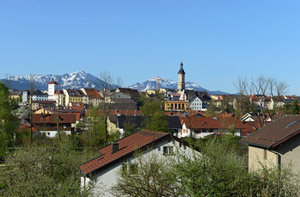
(180, 104)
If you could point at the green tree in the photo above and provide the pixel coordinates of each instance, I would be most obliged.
(153, 178)
(94, 136)
(154, 119)
(44, 170)
(294, 108)
(8, 123)
(211, 110)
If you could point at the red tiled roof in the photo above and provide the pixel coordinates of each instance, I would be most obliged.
(93, 93)
(52, 118)
(127, 145)
(59, 92)
(77, 106)
(121, 112)
(220, 123)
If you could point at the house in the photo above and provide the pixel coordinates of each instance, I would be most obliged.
(74, 96)
(176, 105)
(262, 102)
(42, 104)
(50, 124)
(195, 103)
(174, 125)
(124, 122)
(93, 96)
(133, 93)
(60, 98)
(199, 126)
(15, 95)
(120, 104)
(103, 171)
(203, 99)
(275, 145)
(115, 95)
(79, 113)
(37, 95)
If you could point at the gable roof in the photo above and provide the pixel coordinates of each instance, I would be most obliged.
(200, 122)
(52, 118)
(135, 121)
(130, 92)
(127, 146)
(92, 93)
(174, 122)
(275, 133)
(73, 92)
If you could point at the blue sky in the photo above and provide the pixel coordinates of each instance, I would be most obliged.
(136, 40)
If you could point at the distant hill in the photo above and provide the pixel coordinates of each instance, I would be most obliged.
(74, 80)
(81, 79)
(150, 84)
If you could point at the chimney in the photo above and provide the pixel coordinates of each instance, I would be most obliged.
(115, 147)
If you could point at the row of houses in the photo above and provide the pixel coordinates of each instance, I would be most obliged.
(197, 125)
(124, 98)
(275, 146)
(258, 101)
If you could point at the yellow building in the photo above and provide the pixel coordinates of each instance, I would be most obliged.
(176, 105)
(74, 96)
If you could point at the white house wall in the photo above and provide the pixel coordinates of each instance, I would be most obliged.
(52, 134)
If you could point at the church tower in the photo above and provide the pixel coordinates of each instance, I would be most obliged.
(52, 88)
(181, 79)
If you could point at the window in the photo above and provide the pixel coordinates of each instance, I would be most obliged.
(130, 168)
(197, 131)
(168, 150)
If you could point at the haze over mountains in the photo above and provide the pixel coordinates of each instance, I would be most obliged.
(82, 79)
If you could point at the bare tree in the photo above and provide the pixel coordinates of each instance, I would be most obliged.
(106, 83)
(242, 86)
(119, 82)
(263, 88)
(281, 88)
(244, 89)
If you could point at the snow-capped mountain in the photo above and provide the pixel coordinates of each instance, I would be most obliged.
(74, 80)
(163, 83)
(81, 79)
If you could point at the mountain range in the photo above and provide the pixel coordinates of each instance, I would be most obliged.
(82, 79)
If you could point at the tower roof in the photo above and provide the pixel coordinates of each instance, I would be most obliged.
(53, 82)
(181, 71)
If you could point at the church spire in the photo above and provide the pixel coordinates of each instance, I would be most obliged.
(181, 78)
(181, 71)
